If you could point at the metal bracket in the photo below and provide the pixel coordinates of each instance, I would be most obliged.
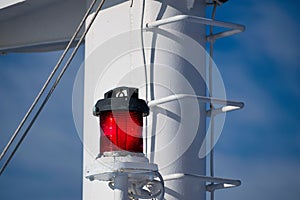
(127, 175)
(228, 105)
(233, 28)
(221, 183)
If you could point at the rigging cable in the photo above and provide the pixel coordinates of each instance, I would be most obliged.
(47, 82)
(211, 49)
(65, 67)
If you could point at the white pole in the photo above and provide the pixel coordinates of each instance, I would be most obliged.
(177, 142)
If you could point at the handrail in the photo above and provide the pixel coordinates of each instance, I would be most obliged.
(228, 104)
(234, 28)
(222, 183)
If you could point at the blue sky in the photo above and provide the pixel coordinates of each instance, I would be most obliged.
(259, 145)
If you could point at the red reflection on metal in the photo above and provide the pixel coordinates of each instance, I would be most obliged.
(121, 130)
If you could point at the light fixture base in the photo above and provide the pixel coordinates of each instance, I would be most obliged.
(106, 167)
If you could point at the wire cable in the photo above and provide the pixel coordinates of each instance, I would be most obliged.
(54, 84)
(47, 81)
(145, 69)
(211, 50)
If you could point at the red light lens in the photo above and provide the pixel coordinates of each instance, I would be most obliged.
(121, 130)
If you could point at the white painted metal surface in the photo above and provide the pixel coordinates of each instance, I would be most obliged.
(233, 28)
(200, 20)
(36, 25)
(128, 175)
(7, 3)
(220, 183)
(200, 98)
(111, 22)
(40, 25)
(176, 138)
(107, 168)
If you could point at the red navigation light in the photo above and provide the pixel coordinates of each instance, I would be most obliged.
(121, 130)
(121, 120)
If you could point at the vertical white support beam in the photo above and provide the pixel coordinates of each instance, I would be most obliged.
(174, 122)
(176, 149)
(111, 22)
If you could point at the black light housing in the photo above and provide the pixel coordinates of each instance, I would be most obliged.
(121, 115)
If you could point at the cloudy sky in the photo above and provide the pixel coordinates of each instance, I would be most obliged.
(259, 145)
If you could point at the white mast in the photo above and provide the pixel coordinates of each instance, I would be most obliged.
(155, 46)
(181, 155)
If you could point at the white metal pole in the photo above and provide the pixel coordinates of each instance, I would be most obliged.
(175, 150)
(166, 63)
